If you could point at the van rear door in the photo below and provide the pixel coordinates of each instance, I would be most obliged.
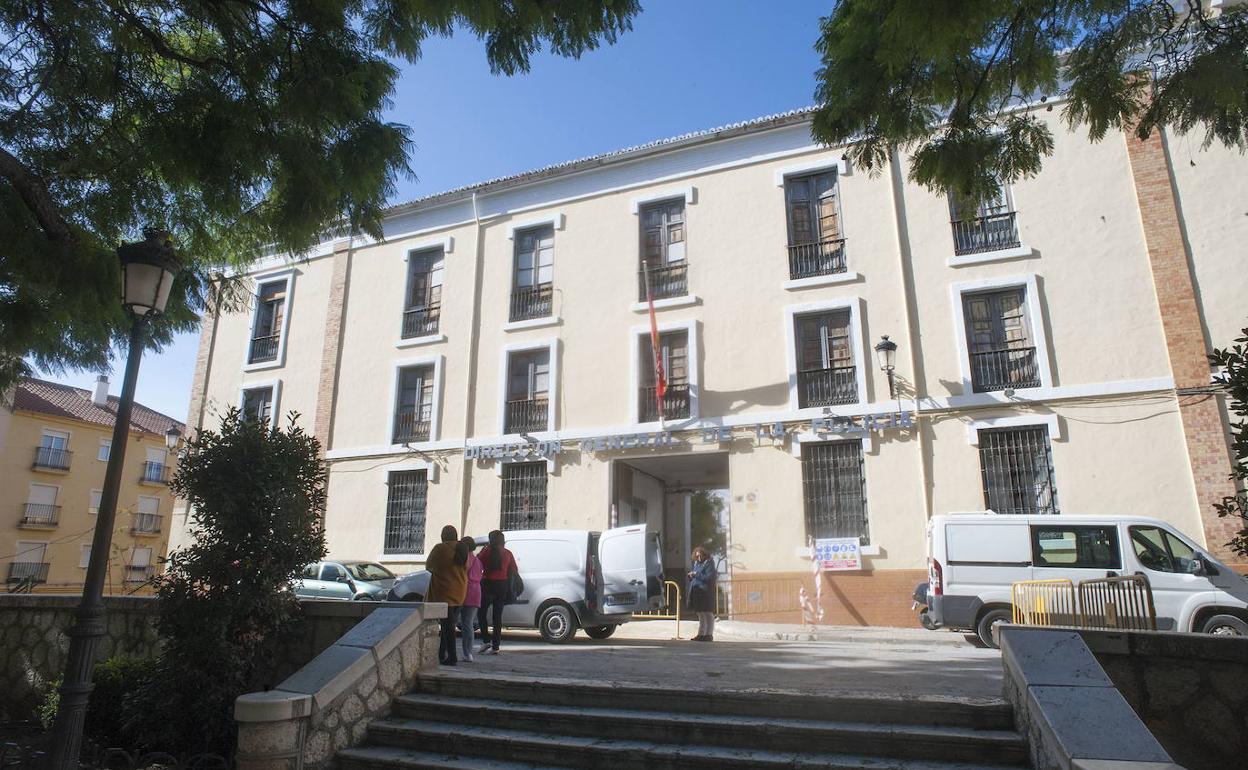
(623, 555)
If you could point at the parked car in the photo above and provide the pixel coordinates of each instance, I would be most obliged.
(573, 579)
(974, 559)
(345, 580)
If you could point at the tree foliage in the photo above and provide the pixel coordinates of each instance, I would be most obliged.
(945, 78)
(257, 499)
(1234, 363)
(241, 126)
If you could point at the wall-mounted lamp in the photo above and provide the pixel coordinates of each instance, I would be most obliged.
(886, 354)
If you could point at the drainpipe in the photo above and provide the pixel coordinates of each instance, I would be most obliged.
(474, 344)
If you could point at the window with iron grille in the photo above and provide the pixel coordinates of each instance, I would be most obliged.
(528, 391)
(266, 328)
(826, 373)
(413, 412)
(1017, 465)
(983, 226)
(834, 490)
(816, 246)
(663, 250)
(674, 355)
(999, 342)
(405, 512)
(423, 307)
(258, 404)
(524, 496)
(532, 294)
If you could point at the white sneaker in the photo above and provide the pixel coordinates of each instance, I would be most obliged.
(467, 657)
(485, 648)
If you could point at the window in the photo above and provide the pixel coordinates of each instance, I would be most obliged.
(524, 496)
(93, 500)
(266, 328)
(816, 246)
(423, 308)
(30, 563)
(826, 373)
(984, 226)
(1160, 551)
(311, 571)
(41, 509)
(1076, 547)
(106, 444)
(405, 512)
(154, 466)
(147, 517)
(532, 294)
(998, 341)
(528, 390)
(674, 357)
(139, 567)
(413, 411)
(663, 250)
(332, 572)
(1017, 466)
(84, 555)
(258, 405)
(53, 452)
(834, 490)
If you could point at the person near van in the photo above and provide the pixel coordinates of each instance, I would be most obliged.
(702, 593)
(448, 582)
(472, 598)
(496, 591)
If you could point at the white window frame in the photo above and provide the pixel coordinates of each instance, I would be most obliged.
(84, 555)
(94, 509)
(447, 244)
(274, 410)
(636, 333)
(260, 281)
(55, 497)
(857, 311)
(1049, 421)
(431, 477)
(551, 344)
(138, 507)
(24, 547)
(556, 221)
(105, 448)
(841, 165)
(689, 193)
(1035, 320)
(435, 406)
(1000, 255)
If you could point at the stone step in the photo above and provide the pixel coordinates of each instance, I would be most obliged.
(982, 713)
(390, 739)
(373, 757)
(736, 732)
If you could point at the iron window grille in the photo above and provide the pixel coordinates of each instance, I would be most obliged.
(528, 392)
(422, 310)
(979, 228)
(674, 352)
(999, 341)
(28, 572)
(532, 290)
(154, 473)
(663, 250)
(39, 515)
(816, 245)
(406, 504)
(52, 458)
(266, 331)
(1017, 467)
(146, 523)
(414, 411)
(834, 490)
(524, 496)
(826, 374)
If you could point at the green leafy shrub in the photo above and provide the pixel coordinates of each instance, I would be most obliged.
(1234, 363)
(50, 705)
(116, 681)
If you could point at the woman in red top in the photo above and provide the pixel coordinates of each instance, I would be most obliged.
(495, 589)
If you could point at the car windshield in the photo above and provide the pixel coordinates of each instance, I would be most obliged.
(368, 571)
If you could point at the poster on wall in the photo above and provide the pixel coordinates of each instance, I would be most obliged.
(838, 554)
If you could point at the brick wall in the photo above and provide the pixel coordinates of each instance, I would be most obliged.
(327, 388)
(203, 359)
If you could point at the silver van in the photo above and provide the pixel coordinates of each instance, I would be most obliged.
(573, 579)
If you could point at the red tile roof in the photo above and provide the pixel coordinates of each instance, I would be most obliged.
(75, 403)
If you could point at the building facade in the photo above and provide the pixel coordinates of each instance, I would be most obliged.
(55, 442)
(491, 364)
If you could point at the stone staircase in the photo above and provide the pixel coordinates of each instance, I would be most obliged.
(478, 722)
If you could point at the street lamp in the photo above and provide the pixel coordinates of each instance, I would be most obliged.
(148, 269)
(172, 437)
(886, 354)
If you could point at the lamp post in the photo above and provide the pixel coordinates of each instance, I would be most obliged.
(886, 354)
(148, 268)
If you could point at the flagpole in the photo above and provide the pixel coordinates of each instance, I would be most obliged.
(659, 374)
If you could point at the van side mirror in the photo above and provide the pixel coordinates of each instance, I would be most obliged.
(1198, 566)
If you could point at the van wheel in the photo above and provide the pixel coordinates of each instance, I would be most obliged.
(557, 624)
(990, 620)
(600, 632)
(1225, 625)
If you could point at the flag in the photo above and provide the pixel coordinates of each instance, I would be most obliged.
(660, 377)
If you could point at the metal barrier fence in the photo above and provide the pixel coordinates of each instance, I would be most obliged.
(669, 609)
(1044, 603)
(1110, 602)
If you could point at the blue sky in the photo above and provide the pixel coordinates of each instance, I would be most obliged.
(686, 66)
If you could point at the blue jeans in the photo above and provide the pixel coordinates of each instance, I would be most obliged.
(467, 618)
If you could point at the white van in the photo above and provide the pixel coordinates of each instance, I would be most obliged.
(975, 558)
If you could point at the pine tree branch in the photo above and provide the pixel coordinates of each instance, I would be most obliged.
(34, 193)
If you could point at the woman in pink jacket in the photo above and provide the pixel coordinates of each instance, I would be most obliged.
(472, 599)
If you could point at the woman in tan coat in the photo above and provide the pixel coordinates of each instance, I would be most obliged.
(448, 582)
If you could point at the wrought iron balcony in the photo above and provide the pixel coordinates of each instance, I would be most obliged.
(52, 459)
(139, 574)
(978, 235)
(421, 321)
(807, 260)
(826, 387)
(669, 281)
(529, 414)
(675, 404)
(532, 302)
(154, 473)
(263, 348)
(408, 428)
(39, 515)
(1008, 368)
(28, 572)
(146, 524)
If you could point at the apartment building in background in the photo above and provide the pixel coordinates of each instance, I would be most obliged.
(55, 441)
(490, 363)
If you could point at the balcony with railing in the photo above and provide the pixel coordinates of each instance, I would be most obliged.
(421, 321)
(39, 516)
(675, 403)
(146, 524)
(993, 370)
(28, 572)
(807, 260)
(137, 574)
(263, 348)
(827, 387)
(154, 473)
(529, 414)
(51, 459)
(979, 235)
(665, 282)
(408, 427)
(529, 302)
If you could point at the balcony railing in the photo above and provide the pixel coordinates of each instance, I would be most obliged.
(39, 515)
(146, 524)
(421, 321)
(978, 235)
(826, 387)
(532, 302)
(1000, 369)
(669, 281)
(527, 414)
(408, 428)
(154, 473)
(139, 574)
(28, 572)
(263, 348)
(807, 260)
(50, 458)
(675, 404)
